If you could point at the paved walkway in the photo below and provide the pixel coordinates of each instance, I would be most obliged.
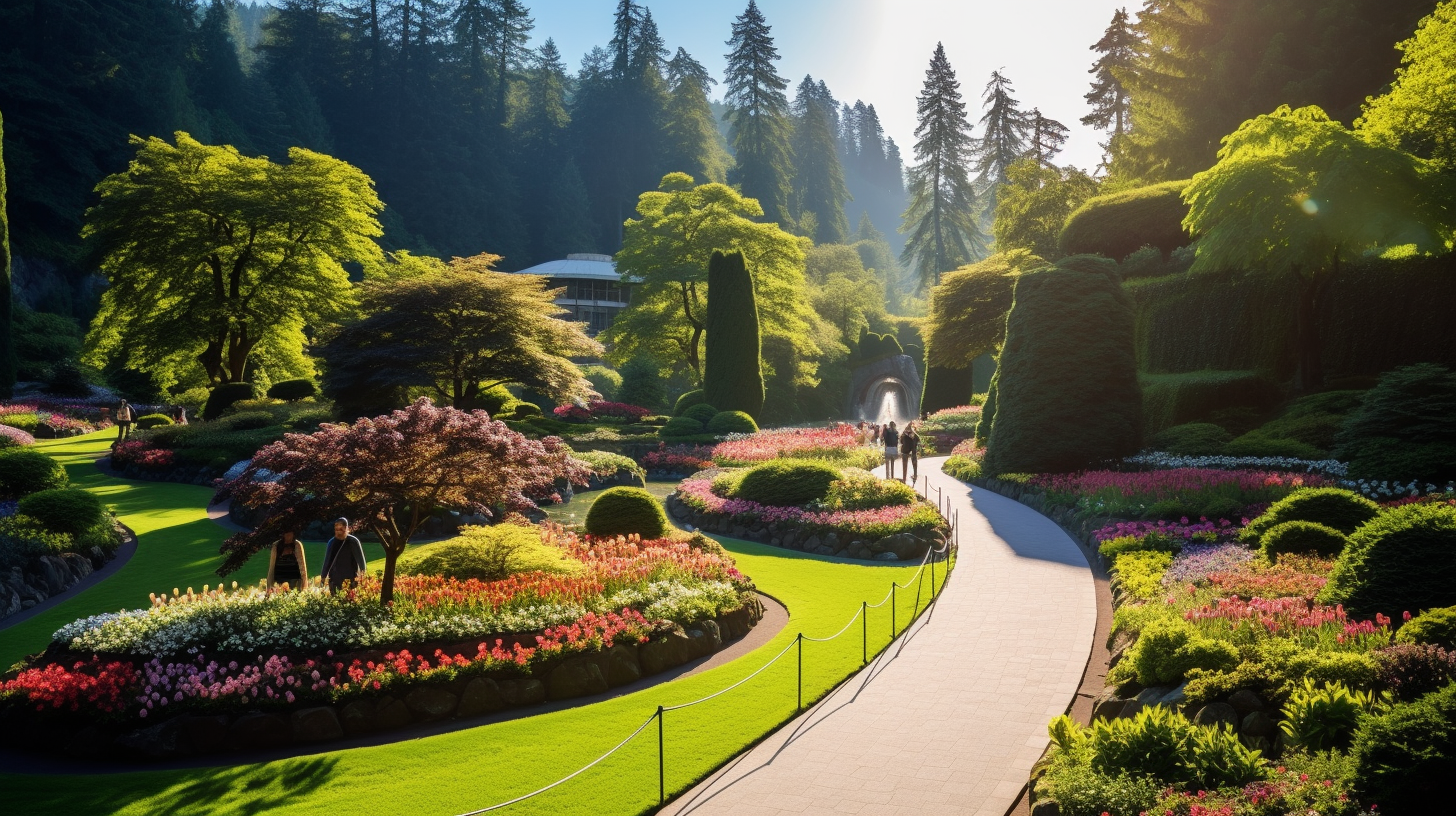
(951, 719)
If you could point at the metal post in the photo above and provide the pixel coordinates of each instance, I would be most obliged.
(932, 576)
(893, 627)
(801, 671)
(864, 632)
(661, 785)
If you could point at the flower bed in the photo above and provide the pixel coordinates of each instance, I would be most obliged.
(599, 409)
(1170, 493)
(835, 444)
(678, 459)
(322, 665)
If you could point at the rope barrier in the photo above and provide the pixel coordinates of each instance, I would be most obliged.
(735, 685)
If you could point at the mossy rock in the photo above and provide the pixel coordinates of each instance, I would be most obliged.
(624, 511)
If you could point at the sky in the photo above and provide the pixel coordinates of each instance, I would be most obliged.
(878, 50)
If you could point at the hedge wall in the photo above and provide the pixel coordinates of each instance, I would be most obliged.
(1119, 224)
(1175, 399)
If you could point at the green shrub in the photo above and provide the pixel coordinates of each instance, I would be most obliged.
(293, 390)
(488, 554)
(1163, 744)
(1387, 459)
(1151, 542)
(1405, 758)
(686, 401)
(1255, 443)
(1434, 626)
(732, 345)
(1167, 650)
(1080, 791)
(605, 465)
(626, 510)
(963, 468)
(604, 380)
(1118, 224)
(1344, 510)
(1405, 427)
(223, 396)
(1066, 388)
(1302, 537)
(642, 383)
(1318, 719)
(495, 400)
(25, 422)
(24, 471)
(702, 412)
(727, 422)
(681, 426)
(1140, 574)
(1196, 396)
(526, 410)
(250, 421)
(64, 509)
(1402, 560)
(148, 421)
(787, 483)
(861, 490)
(1192, 439)
(23, 539)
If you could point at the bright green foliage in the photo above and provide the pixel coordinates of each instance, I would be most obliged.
(846, 294)
(1139, 575)
(264, 245)
(64, 509)
(786, 483)
(1405, 758)
(1199, 396)
(627, 510)
(758, 115)
(605, 465)
(23, 539)
(668, 248)
(1412, 408)
(642, 383)
(862, 490)
(963, 468)
(604, 381)
(293, 390)
(487, 554)
(687, 400)
(1400, 561)
(1066, 388)
(7, 344)
(1152, 542)
(1418, 113)
(940, 222)
(819, 192)
(1302, 537)
(1034, 203)
(733, 350)
(1167, 650)
(1344, 510)
(224, 396)
(727, 422)
(1434, 626)
(1081, 791)
(690, 140)
(152, 421)
(1119, 224)
(1163, 744)
(702, 412)
(1191, 439)
(1296, 193)
(968, 309)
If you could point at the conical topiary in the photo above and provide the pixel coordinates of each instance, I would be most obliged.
(732, 357)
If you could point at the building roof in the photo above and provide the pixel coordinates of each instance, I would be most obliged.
(582, 265)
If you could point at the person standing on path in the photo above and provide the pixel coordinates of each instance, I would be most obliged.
(343, 557)
(286, 562)
(891, 438)
(910, 452)
(123, 421)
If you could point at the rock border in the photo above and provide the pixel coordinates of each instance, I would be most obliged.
(58, 578)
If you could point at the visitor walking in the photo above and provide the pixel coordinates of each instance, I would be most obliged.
(287, 564)
(343, 557)
(910, 452)
(874, 433)
(179, 415)
(123, 421)
(861, 434)
(891, 438)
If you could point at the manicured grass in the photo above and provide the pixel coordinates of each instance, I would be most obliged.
(473, 768)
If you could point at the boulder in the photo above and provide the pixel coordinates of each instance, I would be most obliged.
(256, 730)
(886, 556)
(1046, 807)
(1175, 698)
(522, 692)
(907, 547)
(622, 666)
(54, 574)
(1245, 702)
(704, 638)
(9, 601)
(89, 743)
(1258, 724)
(391, 713)
(205, 735)
(664, 652)
(430, 703)
(357, 718)
(1217, 714)
(832, 542)
(823, 549)
(1107, 705)
(316, 724)
(860, 550)
(78, 565)
(98, 558)
(157, 741)
(481, 696)
(882, 545)
(577, 677)
(790, 537)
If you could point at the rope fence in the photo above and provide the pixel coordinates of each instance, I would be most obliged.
(931, 557)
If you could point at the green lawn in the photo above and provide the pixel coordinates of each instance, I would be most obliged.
(476, 767)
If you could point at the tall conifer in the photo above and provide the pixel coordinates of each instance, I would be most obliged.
(1118, 49)
(1005, 132)
(758, 114)
(1045, 137)
(732, 346)
(691, 143)
(818, 178)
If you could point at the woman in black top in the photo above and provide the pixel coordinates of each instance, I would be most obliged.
(891, 439)
(286, 562)
(910, 452)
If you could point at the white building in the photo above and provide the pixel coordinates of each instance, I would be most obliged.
(594, 292)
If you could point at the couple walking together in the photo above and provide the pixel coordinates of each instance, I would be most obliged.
(905, 446)
(343, 559)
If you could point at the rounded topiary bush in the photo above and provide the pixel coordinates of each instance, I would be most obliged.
(1343, 510)
(487, 554)
(526, 410)
(786, 482)
(1192, 439)
(24, 471)
(251, 421)
(1302, 537)
(727, 422)
(702, 412)
(1119, 224)
(681, 426)
(293, 390)
(1404, 758)
(1435, 626)
(1402, 560)
(64, 509)
(626, 510)
(153, 421)
(688, 400)
(223, 397)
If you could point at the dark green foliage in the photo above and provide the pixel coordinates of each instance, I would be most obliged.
(1434, 626)
(1067, 390)
(23, 539)
(642, 384)
(727, 422)
(24, 471)
(1402, 461)
(7, 343)
(686, 401)
(1344, 510)
(41, 340)
(681, 426)
(1403, 560)
(152, 421)
(819, 193)
(627, 510)
(758, 115)
(1404, 758)
(64, 509)
(293, 390)
(1255, 443)
(66, 379)
(945, 388)
(733, 349)
(702, 412)
(872, 346)
(223, 397)
(1314, 431)
(1119, 224)
(250, 421)
(1177, 399)
(786, 483)
(1404, 427)
(1302, 537)
(1191, 439)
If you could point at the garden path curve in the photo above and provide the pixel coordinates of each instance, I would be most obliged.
(951, 718)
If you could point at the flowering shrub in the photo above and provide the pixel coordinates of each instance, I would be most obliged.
(679, 458)
(1204, 530)
(599, 409)
(1170, 493)
(1327, 467)
(94, 685)
(834, 444)
(143, 454)
(867, 523)
(15, 436)
(960, 420)
(1195, 562)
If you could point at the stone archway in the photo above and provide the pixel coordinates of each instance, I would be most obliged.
(871, 383)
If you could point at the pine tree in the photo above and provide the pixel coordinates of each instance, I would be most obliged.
(1045, 137)
(565, 219)
(1118, 49)
(691, 143)
(1005, 133)
(758, 114)
(818, 184)
(733, 349)
(7, 345)
(511, 30)
(941, 219)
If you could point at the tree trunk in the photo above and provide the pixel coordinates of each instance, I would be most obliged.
(1310, 372)
(386, 589)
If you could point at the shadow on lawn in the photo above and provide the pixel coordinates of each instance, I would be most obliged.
(246, 789)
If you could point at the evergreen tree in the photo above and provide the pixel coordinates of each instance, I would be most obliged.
(941, 219)
(510, 31)
(220, 83)
(1005, 133)
(7, 345)
(691, 142)
(565, 219)
(818, 184)
(1118, 49)
(733, 349)
(758, 113)
(1045, 137)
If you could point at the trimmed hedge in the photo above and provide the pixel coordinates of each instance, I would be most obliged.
(1302, 537)
(1192, 439)
(681, 426)
(1343, 510)
(293, 390)
(24, 471)
(702, 412)
(64, 509)
(1118, 224)
(946, 387)
(487, 554)
(786, 483)
(687, 400)
(1434, 626)
(1196, 396)
(1066, 389)
(1402, 560)
(732, 345)
(223, 396)
(1408, 420)
(149, 421)
(624, 511)
(1404, 758)
(727, 422)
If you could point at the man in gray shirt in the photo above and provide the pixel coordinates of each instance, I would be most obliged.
(343, 558)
